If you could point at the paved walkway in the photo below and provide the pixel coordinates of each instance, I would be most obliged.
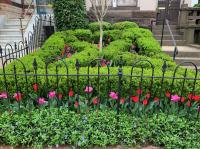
(190, 48)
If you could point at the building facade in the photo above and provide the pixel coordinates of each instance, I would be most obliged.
(143, 5)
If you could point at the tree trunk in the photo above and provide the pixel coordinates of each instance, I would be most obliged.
(101, 35)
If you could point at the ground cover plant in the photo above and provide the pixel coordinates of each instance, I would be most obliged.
(120, 79)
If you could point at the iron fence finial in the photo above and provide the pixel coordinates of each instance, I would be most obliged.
(164, 67)
(77, 64)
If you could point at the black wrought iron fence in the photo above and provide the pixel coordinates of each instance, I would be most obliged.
(43, 27)
(130, 89)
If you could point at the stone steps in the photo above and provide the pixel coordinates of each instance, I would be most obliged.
(166, 32)
(10, 26)
(188, 54)
(194, 60)
(159, 27)
(170, 42)
(168, 37)
(16, 21)
(185, 54)
(10, 31)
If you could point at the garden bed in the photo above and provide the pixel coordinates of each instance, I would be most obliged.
(69, 92)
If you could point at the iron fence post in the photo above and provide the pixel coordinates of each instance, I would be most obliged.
(120, 74)
(1, 54)
(26, 46)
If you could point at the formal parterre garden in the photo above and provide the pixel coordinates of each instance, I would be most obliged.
(50, 111)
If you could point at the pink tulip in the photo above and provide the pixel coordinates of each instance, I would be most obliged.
(113, 95)
(41, 101)
(3, 95)
(175, 98)
(17, 96)
(88, 89)
(52, 94)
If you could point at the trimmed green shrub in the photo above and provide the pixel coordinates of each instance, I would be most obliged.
(136, 33)
(70, 14)
(95, 26)
(148, 46)
(96, 36)
(125, 25)
(85, 57)
(83, 34)
(82, 45)
(42, 128)
(112, 34)
(116, 48)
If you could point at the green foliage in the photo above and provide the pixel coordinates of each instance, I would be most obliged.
(82, 45)
(96, 36)
(111, 34)
(83, 35)
(86, 52)
(116, 48)
(125, 25)
(136, 33)
(96, 27)
(70, 14)
(42, 128)
(148, 46)
(197, 5)
(85, 57)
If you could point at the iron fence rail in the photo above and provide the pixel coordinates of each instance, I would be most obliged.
(21, 82)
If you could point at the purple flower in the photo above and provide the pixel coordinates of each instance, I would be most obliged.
(175, 98)
(113, 95)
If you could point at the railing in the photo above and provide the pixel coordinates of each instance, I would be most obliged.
(24, 16)
(100, 87)
(173, 40)
(32, 41)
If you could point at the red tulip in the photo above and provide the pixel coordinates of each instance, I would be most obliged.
(60, 96)
(122, 100)
(95, 101)
(135, 99)
(168, 94)
(189, 104)
(182, 99)
(17, 96)
(71, 93)
(148, 95)
(156, 99)
(35, 87)
(145, 102)
(139, 91)
(76, 104)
